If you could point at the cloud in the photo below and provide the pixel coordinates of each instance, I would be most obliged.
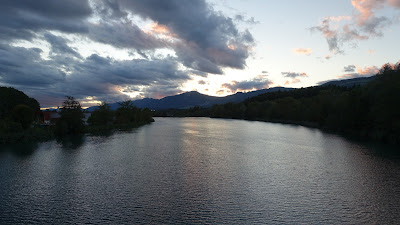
(394, 3)
(201, 82)
(59, 46)
(331, 35)
(220, 92)
(293, 74)
(122, 34)
(361, 72)
(200, 39)
(242, 18)
(101, 77)
(22, 19)
(260, 82)
(349, 68)
(264, 72)
(363, 25)
(206, 41)
(295, 77)
(302, 51)
(22, 67)
(296, 80)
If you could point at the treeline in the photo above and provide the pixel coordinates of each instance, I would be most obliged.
(17, 114)
(102, 119)
(20, 118)
(369, 111)
(126, 116)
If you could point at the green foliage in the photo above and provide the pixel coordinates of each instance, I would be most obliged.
(127, 113)
(23, 114)
(17, 112)
(103, 115)
(11, 97)
(70, 121)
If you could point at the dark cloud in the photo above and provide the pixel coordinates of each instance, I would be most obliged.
(331, 35)
(202, 82)
(97, 76)
(256, 83)
(208, 39)
(122, 34)
(21, 19)
(104, 75)
(204, 40)
(59, 45)
(24, 67)
(361, 72)
(110, 9)
(349, 68)
(293, 74)
(354, 72)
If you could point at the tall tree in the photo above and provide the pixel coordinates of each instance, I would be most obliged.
(71, 114)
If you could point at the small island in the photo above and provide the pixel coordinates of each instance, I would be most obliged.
(22, 120)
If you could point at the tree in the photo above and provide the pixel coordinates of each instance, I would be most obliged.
(23, 114)
(71, 114)
(103, 115)
(127, 113)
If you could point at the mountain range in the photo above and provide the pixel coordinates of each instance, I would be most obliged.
(194, 98)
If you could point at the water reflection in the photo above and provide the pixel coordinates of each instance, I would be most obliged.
(71, 142)
(21, 150)
(200, 170)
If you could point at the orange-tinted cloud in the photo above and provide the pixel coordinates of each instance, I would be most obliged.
(160, 30)
(359, 72)
(303, 51)
(220, 92)
(296, 80)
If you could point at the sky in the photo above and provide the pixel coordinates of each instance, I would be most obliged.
(114, 50)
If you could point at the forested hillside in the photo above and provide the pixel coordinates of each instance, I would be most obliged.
(370, 111)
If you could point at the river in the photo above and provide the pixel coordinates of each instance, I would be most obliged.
(199, 171)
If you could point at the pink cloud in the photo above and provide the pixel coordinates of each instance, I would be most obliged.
(366, 9)
(363, 25)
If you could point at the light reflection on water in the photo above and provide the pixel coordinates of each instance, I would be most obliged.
(200, 170)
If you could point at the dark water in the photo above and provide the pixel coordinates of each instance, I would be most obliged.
(200, 170)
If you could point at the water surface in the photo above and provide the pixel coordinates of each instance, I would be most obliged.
(201, 170)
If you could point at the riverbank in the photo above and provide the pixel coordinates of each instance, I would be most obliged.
(40, 133)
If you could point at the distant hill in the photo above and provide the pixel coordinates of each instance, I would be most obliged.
(350, 82)
(194, 98)
(191, 99)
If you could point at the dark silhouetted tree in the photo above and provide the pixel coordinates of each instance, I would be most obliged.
(103, 115)
(71, 114)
